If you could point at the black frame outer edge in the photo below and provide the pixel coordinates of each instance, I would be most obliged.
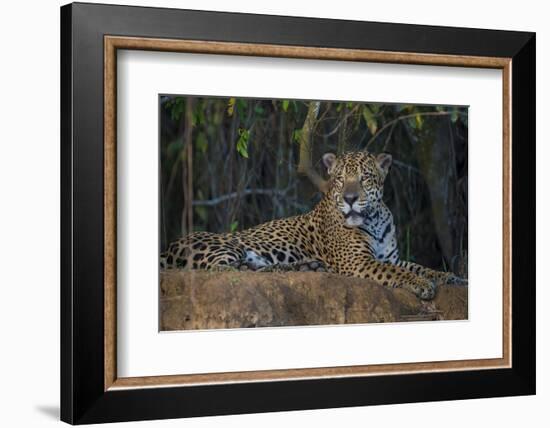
(523, 217)
(66, 368)
(82, 397)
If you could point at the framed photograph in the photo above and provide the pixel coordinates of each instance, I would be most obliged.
(270, 224)
(265, 213)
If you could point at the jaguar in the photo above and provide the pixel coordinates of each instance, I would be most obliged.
(349, 232)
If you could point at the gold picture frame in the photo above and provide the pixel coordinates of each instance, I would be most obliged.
(114, 43)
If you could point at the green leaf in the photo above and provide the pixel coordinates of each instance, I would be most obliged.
(285, 105)
(242, 142)
(419, 121)
(230, 107)
(296, 135)
(233, 226)
(242, 149)
(176, 108)
(370, 120)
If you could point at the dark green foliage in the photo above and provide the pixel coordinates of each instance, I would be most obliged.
(245, 153)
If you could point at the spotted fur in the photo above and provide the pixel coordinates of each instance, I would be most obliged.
(379, 228)
(350, 231)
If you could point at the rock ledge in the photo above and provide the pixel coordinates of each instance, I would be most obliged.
(214, 300)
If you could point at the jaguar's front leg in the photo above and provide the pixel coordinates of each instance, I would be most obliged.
(394, 276)
(440, 278)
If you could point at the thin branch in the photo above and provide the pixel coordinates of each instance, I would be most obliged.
(407, 116)
(406, 166)
(327, 110)
(245, 192)
(388, 138)
(339, 124)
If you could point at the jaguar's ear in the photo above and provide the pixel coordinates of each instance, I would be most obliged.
(329, 159)
(384, 160)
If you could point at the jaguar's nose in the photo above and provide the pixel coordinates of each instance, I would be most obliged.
(350, 198)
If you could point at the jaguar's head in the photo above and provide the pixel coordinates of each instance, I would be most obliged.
(356, 183)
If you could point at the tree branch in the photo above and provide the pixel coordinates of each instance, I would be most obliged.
(337, 127)
(407, 116)
(187, 168)
(218, 200)
(304, 164)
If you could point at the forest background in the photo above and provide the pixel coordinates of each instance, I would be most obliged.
(231, 163)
